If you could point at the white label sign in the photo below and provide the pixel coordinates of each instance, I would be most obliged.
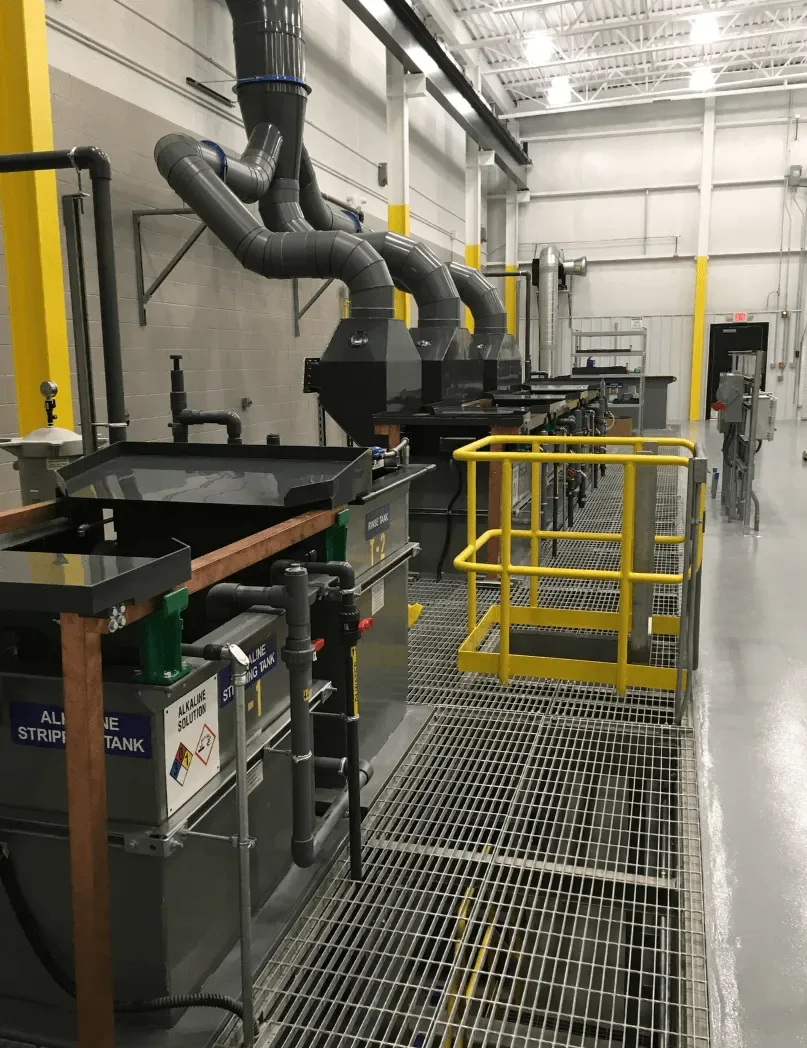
(192, 752)
(377, 597)
(636, 323)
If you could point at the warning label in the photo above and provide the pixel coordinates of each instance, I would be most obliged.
(191, 743)
(125, 734)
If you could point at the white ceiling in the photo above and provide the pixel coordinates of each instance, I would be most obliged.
(619, 50)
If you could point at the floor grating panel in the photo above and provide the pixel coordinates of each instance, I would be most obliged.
(533, 867)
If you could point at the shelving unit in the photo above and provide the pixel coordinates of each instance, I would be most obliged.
(614, 351)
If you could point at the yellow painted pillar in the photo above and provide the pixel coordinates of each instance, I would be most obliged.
(30, 217)
(473, 214)
(398, 167)
(702, 260)
(698, 327)
(511, 258)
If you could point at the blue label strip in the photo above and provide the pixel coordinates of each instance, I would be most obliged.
(125, 734)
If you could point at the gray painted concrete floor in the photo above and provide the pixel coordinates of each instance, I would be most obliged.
(751, 715)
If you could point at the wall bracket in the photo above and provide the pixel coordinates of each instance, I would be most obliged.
(145, 294)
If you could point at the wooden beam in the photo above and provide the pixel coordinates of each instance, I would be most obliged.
(391, 432)
(27, 516)
(220, 564)
(87, 820)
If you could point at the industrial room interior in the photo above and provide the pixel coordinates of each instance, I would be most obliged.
(400, 444)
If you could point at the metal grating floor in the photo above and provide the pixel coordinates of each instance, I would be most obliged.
(533, 867)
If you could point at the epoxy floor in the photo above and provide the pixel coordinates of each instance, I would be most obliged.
(751, 717)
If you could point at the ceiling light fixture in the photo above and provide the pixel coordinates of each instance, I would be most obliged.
(560, 91)
(539, 49)
(701, 79)
(705, 29)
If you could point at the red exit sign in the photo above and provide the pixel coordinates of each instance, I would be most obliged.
(740, 318)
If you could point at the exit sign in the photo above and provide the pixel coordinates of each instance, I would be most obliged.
(740, 318)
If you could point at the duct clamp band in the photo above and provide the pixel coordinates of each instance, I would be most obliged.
(273, 78)
(355, 217)
(220, 154)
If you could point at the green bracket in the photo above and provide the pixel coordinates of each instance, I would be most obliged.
(161, 642)
(336, 537)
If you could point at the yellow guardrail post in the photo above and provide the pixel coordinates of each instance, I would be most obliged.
(626, 567)
(535, 527)
(470, 513)
(506, 562)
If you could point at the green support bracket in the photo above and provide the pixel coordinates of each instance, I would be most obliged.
(336, 537)
(161, 641)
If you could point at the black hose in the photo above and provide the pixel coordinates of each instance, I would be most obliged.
(449, 528)
(33, 933)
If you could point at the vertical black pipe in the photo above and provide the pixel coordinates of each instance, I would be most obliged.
(101, 177)
(350, 636)
(179, 400)
(298, 654)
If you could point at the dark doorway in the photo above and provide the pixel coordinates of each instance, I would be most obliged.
(725, 339)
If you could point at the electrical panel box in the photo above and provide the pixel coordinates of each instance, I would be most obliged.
(729, 398)
(766, 416)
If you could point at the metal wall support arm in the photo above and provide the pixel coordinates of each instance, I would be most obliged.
(145, 294)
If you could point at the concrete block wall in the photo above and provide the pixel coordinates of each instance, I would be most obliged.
(118, 81)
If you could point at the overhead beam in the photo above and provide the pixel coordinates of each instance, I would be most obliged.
(583, 27)
(402, 32)
(722, 65)
(788, 81)
(717, 51)
(455, 33)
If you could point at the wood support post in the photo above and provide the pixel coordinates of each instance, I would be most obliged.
(87, 818)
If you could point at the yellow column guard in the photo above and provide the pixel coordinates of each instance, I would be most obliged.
(30, 218)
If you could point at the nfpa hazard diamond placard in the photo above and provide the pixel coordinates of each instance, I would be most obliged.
(191, 743)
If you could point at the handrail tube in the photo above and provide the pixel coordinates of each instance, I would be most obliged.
(546, 438)
(557, 456)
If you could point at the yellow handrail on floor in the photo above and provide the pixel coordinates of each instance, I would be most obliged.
(621, 673)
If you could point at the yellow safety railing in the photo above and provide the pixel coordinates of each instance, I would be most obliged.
(621, 673)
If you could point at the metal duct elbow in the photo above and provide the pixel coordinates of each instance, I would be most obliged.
(416, 269)
(250, 177)
(481, 297)
(281, 255)
(315, 208)
(549, 262)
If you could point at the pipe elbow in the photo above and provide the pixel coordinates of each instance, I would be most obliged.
(92, 159)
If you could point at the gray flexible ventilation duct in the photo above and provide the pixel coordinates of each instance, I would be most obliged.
(250, 177)
(313, 254)
(316, 208)
(269, 63)
(415, 268)
(482, 298)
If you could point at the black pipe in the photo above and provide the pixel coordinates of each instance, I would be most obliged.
(350, 634)
(298, 655)
(94, 160)
(222, 417)
(504, 274)
(36, 940)
(449, 508)
(182, 416)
